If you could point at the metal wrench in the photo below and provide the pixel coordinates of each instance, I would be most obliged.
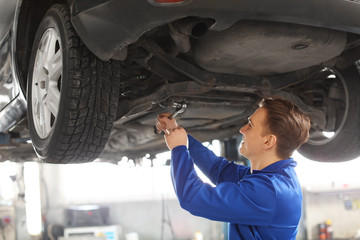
(179, 108)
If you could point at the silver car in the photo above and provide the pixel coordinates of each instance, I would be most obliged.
(84, 79)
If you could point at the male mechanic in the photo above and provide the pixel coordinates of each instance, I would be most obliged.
(259, 202)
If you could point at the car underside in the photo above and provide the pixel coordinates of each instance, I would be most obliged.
(214, 72)
(221, 76)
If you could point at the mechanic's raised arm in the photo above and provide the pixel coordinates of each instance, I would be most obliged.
(248, 202)
(217, 169)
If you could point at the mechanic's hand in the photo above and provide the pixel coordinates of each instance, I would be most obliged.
(176, 137)
(163, 123)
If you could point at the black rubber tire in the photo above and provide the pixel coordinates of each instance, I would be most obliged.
(345, 145)
(88, 97)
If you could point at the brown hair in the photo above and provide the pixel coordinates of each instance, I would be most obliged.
(287, 122)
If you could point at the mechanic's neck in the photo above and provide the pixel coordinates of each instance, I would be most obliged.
(261, 162)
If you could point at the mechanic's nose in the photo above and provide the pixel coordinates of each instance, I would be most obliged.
(243, 129)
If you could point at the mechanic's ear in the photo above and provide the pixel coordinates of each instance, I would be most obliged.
(270, 141)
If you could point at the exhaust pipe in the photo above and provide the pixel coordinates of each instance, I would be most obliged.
(181, 31)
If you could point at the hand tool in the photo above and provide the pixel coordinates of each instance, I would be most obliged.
(179, 108)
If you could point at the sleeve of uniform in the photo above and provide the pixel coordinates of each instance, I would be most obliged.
(251, 201)
(217, 169)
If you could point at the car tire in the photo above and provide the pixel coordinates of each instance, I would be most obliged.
(344, 145)
(72, 95)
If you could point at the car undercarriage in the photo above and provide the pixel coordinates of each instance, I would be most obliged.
(218, 73)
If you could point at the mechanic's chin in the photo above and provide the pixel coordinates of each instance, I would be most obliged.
(241, 149)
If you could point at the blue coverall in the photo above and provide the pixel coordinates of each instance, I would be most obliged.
(265, 204)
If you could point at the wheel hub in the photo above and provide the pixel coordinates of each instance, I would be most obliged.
(45, 88)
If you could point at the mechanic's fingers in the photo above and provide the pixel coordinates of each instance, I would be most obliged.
(162, 115)
(161, 121)
(162, 125)
(164, 122)
(176, 137)
(173, 130)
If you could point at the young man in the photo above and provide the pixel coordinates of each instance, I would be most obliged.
(260, 202)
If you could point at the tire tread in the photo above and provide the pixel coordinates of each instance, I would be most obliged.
(91, 102)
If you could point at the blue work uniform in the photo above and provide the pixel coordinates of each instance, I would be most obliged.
(265, 204)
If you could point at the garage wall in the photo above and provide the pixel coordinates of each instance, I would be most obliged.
(146, 218)
(137, 197)
(341, 206)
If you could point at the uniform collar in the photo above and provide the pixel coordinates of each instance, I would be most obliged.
(276, 166)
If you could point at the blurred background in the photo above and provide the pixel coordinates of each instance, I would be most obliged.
(134, 199)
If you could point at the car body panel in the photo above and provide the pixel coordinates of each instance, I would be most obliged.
(7, 12)
(112, 25)
(7, 90)
(12, 99)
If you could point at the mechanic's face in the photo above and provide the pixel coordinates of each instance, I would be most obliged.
(253, 138)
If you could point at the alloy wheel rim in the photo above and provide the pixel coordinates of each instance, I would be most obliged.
(46, 83)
